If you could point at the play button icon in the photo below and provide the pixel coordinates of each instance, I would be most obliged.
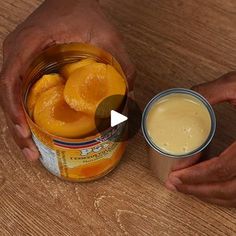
(127, 117)
(117, 118)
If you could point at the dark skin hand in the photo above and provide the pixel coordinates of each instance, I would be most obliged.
(54, 22)
(213, 180)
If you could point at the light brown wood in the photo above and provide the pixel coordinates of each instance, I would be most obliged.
(173, 43)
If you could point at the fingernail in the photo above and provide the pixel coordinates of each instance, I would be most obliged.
(30, 155)
(174, 180)
(170, 186)
(22, 132)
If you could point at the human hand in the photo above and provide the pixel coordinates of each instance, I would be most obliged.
(54, 22)
(213, 180)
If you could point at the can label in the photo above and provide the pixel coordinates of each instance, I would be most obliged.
(48, 157)
(80, 160)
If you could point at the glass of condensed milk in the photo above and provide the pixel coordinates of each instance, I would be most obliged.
(178, 124)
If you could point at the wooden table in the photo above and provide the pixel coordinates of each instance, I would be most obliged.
(174, 43)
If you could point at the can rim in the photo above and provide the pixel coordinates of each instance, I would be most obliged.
(181, 91)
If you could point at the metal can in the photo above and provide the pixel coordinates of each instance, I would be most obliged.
(82, 159)
(163, 163)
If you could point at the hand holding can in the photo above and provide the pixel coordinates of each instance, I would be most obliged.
(52, 23)
(212, 180)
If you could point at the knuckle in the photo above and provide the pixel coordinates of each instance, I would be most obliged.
(30, 32)
(223, 170)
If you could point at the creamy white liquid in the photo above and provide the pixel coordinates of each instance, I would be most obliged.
(178, 123)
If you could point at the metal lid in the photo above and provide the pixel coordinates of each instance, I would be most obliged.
(180, 91)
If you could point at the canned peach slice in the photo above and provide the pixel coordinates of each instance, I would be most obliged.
(42, 85)
(88, 87)
(53, 115)
(68, 69)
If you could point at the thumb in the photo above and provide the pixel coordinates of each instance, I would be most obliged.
(219, 90)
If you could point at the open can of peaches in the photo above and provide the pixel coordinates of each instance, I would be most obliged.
(62, 93)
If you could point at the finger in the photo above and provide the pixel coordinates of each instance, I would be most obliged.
(26, 144)
(217, 169)
(220, 202)
(223, 190)
(14, 64)
(10, 101)
(220, 90)
(205, 172)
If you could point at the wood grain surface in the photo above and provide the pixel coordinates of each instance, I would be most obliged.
(173, 43)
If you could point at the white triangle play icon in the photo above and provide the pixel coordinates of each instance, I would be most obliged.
(117, 118)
